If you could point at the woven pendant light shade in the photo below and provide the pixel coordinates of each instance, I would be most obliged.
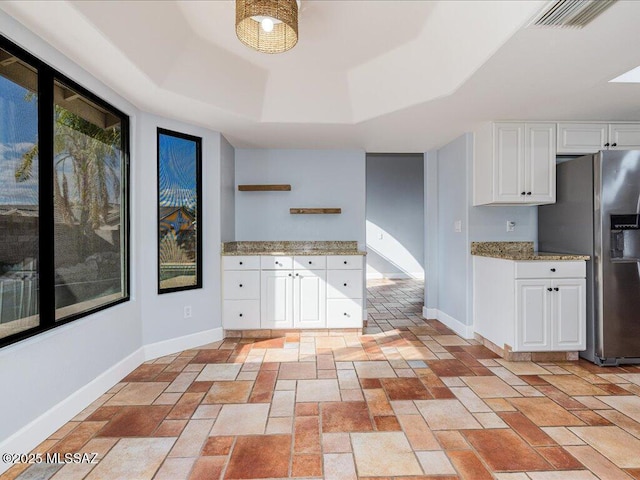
(284, 34)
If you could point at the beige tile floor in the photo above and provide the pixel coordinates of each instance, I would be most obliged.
(406, 399)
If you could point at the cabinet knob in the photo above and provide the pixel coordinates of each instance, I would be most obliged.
(549, 289)
(240, 315)
(553, 269)
(606, 144)
(345, 262)
(528, 193)
(240, 285)
(240, 263)
(345, 314)
(345, 284)
(297, 274)
(556, 289)
(309, 263)
(614, 144)
(523, 193)
(290, 275)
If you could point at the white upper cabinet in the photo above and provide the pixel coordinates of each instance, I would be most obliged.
(576, 138)
(624, 136)
(517, 166)
(583, 138)
(540, 163)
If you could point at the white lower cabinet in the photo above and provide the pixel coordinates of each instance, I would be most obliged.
(344, 313)
(531, 306)
(241, 314)
(293, 292)
(550, 315)
(276, 299)
(309, 299)
(241, 293)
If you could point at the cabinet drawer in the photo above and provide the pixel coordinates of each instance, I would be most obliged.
(344, 313)
(344, 262)
(344, 284)
(248, 262)
(240, 285)
(272, 262)
(241, 314)
(310, 262)
(543, 269)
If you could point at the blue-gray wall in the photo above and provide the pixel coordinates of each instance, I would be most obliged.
(395, 215)
(318, 178)
(448, 198)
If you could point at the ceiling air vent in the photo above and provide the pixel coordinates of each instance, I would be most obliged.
(570, 13)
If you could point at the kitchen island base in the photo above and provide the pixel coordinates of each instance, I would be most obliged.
(507, 353)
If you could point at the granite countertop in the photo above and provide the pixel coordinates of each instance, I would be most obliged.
(291, 248)
(519, 251)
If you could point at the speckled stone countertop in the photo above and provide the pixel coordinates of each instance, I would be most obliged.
(292, 248)
(518, 251)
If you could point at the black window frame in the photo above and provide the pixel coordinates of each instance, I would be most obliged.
(198, 159)
(47, 76)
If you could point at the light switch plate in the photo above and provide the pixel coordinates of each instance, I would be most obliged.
(457, 226)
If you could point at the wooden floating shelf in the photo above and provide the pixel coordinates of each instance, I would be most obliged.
(264, 188)
(314, 211)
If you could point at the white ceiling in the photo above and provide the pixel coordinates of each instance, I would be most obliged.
(384, 76)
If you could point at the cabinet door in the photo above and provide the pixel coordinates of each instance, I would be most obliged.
(540, 163)
(578, 138)
(508, 163)
(624, 136)
(276, 299)
(569, 315)
(241, 314)
(309, 297)
(239, 284)
(532, 316)
(343, 313)
(344, 284)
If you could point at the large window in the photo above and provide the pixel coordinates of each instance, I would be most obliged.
(179, 187)
(63, 198)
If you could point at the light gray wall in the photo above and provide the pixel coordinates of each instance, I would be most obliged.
(163, 315)
(430, 230)
(451, 290)
(318, 178)
(46, 370)
(453, 247)
(227, 191)
(39, 372)
(395, 212)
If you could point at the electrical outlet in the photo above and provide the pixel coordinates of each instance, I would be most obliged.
(511, 226)
(187, 311)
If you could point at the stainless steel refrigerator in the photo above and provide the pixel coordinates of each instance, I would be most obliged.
(597, 212)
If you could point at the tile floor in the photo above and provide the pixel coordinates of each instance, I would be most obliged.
(407, 399)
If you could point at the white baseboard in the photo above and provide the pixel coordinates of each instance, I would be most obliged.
(32, 434)
(465, 331)
(173, 345)
(395, 276)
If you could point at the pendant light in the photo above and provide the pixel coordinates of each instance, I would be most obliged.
(268, 26)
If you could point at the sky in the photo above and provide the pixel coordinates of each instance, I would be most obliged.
(177, 165)
(18, 133)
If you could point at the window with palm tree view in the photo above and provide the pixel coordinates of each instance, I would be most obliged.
(179, 244)
(63, 199)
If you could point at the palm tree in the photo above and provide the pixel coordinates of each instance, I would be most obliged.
(90, 155)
